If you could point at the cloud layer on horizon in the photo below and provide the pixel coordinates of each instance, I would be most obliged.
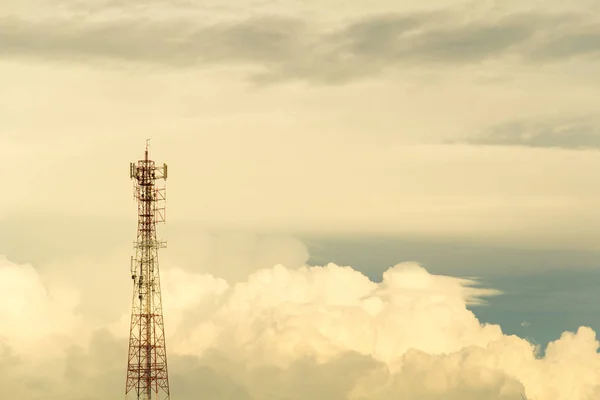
(313, 332)
(574, 134)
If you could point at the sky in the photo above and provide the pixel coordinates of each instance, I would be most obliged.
(365, 201)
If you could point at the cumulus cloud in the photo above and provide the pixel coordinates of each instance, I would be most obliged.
(275, 310)
(280, 47)
(29, 314)
(312, 332)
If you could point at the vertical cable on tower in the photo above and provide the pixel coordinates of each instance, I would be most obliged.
(147, 375)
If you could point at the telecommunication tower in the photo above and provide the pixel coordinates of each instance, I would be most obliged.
(147, 376)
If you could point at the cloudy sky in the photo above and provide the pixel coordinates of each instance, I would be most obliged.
(373, 200)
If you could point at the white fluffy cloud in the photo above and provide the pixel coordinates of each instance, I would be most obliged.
(29, 314)
(414, 332)
(312, 332)
(279, 315)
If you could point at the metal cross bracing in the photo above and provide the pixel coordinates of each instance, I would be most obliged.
(147, 374)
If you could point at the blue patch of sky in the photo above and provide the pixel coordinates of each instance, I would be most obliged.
(545, 292)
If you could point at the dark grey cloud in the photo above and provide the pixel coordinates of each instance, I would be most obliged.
(290, 48)
(580, 41)
(576, 134)
(172, 42)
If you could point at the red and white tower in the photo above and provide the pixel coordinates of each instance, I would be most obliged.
(147, 376)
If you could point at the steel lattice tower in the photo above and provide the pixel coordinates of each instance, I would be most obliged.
(147, 376)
